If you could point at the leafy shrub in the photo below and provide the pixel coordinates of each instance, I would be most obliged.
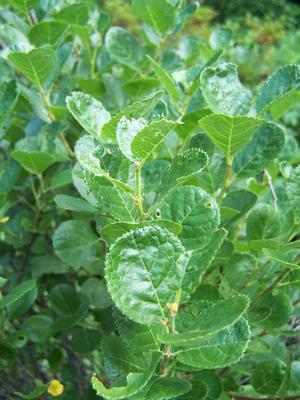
(149, 210)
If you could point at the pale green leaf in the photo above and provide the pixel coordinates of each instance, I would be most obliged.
(88, 111)
(47, 32)
(230, 134)
(159, 14)
(164, 388)
(74, 204)
(17, 293)
(223, 91)
(36, 65)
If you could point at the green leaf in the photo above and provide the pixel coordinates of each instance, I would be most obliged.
(201, 259)
(141, 273)
(135, 110)
(8, 98)
(64, 300)
(89, 112)
(239, 200)
(35, 162)
(127, 129)
(36, 65)
(38, 328)
(196, 211)
(183, 167)
(265, 145)
(225, 348)
(164, 388)
(206, 386)
(223, 91)
(95, 289)
(110, 233)
(293, 191)
(268, 377)
(201, 320)
(17, 293)
(75, 14)
(88, 153)
(67, 322)
(221, 37)
(34, 394)
(19, 307)
(230, 134)
(263, 223)
(86, 340)
(23, 5)
(166, 80)
(75, 243)
(47, 32)
(275, 94)
(147, 139)
(159, 14)
(136, 381)
(123, 47)
(75, 204)
(277, 307)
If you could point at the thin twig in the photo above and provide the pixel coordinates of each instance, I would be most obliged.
(272, 190)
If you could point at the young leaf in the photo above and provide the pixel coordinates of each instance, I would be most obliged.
(88, 111)
(123, 47)
(223, 91)
(75, 243)
(166, 80)
(127, 129)
(147, 139)
(34, 162)
(221, 350)
(135, 110)
(36, 65)
(159, 14)
(200, 321)
(143, 274)
(136, 381)
(265, 145)
(230, 134)
(275, 94)
(196, 211)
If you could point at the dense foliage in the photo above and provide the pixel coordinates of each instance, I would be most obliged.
(149, 202)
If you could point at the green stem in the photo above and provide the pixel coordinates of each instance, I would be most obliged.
(227, 178)
(138, 189)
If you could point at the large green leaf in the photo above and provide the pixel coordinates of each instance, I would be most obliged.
(230, 134)
(183, 167)
(47, 32)
(200, 320)
(75, 14)
(23, 5)
(196, 211)
(223, 349)
(73, 203)
(127, 129)
(8, 98)
(75, 243)
(143, 273)
(89, 112)
(159, 14)
(263, 223)
(265, 145)
(36, 65)
(123, 47)
(223, 91)
(166, 80)
(276, 95)
(136, 381)
(207, 385)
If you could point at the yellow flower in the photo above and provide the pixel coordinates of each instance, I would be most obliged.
(55, 388)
